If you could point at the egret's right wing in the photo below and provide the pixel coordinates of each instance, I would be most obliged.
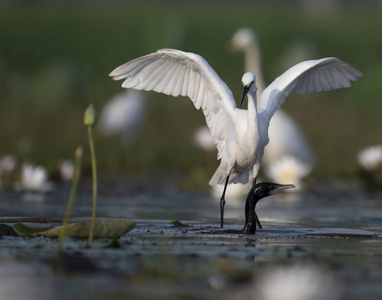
(174, 72)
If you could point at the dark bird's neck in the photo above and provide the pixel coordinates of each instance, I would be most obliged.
(250, 213)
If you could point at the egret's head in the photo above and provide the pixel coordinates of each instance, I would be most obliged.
(242, 39)
(249, 84)
(265, 189)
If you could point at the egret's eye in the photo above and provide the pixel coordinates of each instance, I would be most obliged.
(252, 82)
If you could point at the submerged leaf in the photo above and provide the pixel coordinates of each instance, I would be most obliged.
(104, 228)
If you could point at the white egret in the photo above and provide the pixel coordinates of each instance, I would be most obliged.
(285, 135)
(240, 135)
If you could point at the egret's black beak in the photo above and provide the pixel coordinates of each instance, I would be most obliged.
(281, 187)
(245, 92)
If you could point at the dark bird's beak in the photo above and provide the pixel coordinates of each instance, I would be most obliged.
(245, 92)
(281, 187)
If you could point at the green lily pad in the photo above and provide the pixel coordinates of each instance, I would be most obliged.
(104, 228)
(26, 230)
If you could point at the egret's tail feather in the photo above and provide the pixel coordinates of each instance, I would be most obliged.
(242, 178)
(219, 177)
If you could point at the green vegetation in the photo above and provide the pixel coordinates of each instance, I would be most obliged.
(72, 196)
(89, 120)
(54, 60)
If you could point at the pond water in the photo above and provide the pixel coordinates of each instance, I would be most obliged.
(321, 244)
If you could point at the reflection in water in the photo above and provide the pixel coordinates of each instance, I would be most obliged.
(296, 282)
(193, 261)
(22, 280)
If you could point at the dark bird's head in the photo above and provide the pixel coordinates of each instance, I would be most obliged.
(265, 189)
(249, 84)
(258, 192)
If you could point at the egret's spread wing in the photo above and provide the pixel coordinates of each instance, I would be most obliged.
(175, 73)
(309, 76)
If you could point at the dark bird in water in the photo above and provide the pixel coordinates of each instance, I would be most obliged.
(258, 192)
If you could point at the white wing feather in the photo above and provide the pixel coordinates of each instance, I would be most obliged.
(309, 76)
(175, 73)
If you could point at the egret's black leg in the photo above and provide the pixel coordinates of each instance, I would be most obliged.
(222, 203)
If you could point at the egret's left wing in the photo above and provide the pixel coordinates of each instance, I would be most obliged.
(309, 76)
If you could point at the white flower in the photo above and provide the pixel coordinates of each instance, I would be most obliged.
(298, 283)
(203, 138)
(66, 170)
(34, 178)
(287, 170)
(370, 158)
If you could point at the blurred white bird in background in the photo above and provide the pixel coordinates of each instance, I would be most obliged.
(123, 115)
(240, 135)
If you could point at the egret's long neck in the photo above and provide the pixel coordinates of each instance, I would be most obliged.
(252, 125)
(253, 64)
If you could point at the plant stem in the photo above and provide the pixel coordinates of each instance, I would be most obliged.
(73, 190)
(94, 171)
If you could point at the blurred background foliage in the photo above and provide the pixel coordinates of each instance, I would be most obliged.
(55, 59)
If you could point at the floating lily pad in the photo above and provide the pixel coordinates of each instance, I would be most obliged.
(104, 228)
(26, 230)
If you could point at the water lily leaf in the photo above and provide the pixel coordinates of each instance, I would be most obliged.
(104, 228)
(26, 230)
(177, 223)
